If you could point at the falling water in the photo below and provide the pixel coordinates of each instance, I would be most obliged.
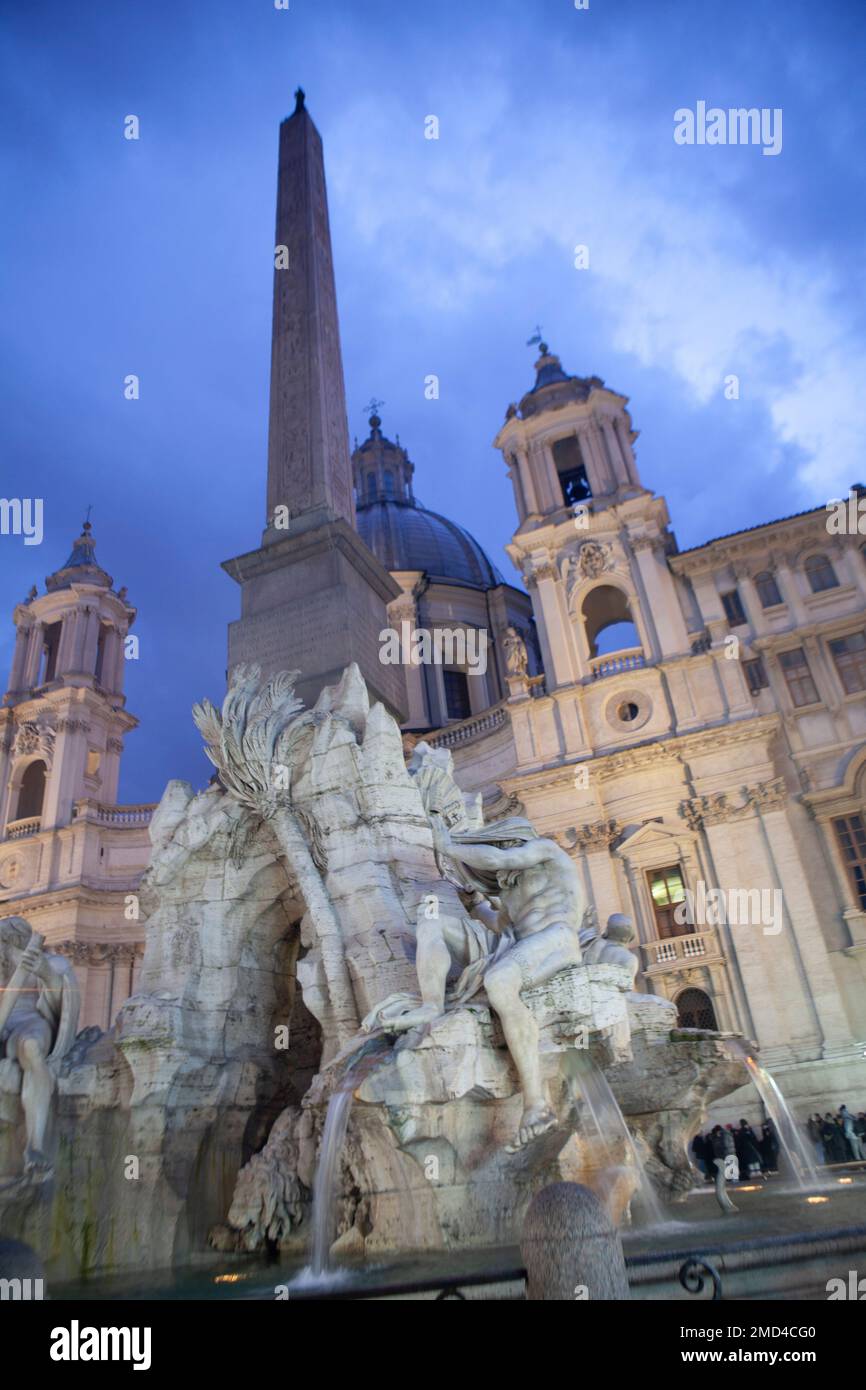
(793, 1146)
(610, 1126)
(333, 1137)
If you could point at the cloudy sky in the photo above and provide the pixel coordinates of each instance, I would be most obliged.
(556, 129)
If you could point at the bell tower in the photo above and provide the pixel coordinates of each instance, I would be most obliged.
(570, 440)
(591, 541)
(63, 718)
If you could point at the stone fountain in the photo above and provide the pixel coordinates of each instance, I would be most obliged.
(320, 901)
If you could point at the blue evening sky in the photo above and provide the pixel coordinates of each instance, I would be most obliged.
(556, 129)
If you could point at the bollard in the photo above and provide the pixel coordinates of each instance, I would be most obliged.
(570, 1248)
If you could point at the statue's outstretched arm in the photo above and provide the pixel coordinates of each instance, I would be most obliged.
(488, 857)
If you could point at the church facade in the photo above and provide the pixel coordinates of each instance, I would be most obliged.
(698, 740)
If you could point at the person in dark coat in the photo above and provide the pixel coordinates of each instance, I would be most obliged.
(724, 1149)
(769, 1147)
(750, 1159)
(813, 1126)
(700, 1155)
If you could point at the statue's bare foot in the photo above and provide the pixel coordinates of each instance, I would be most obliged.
(412, 1018)
(535, 1121)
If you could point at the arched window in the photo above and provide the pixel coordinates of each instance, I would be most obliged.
(371, 486)
(32, 791)
(820, 574)
(608, 622)
(388, 483)
(768, 589)
(571, 469)
(695, 1010)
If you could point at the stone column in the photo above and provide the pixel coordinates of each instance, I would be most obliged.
(33, 656)
(596, 460)
(741, 945)
(742, 861)
(817, 977)
(68, 637)
(710, 604)
(527, 483)
(751, 604)
(626, 452)
(787, 582)
(600, 870)
(662, 600)
(547, 489)
(90, 639)
(112, 661)
(552, 626)
(19, 658)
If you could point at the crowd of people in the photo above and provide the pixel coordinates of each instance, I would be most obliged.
(839, 1138)
(755, 1154)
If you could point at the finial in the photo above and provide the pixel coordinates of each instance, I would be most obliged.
(536, 338)
(373, 407)
(300, 97)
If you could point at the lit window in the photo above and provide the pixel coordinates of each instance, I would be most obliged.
(851, 834)
(820, 574)
(756, 676)
(795, 668)
(667, 890)
(849, 653)
(732, 604)
(768, 589)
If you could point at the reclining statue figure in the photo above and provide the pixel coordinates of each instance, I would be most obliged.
(528, 933)
(39, 1003)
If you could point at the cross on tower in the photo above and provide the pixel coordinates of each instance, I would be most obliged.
(373, 407)
(536, 337)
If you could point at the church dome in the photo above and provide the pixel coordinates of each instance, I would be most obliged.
(405, 536)
(401, 533)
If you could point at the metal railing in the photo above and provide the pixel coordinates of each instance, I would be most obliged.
(694, 1269)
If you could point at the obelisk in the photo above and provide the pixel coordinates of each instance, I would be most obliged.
(313, 596)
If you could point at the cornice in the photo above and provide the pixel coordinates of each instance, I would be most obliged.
(718, 808)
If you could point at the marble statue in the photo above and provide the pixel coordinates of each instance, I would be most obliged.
(526, 903)
(612, 946)
(516, 660)
(39, 1007)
